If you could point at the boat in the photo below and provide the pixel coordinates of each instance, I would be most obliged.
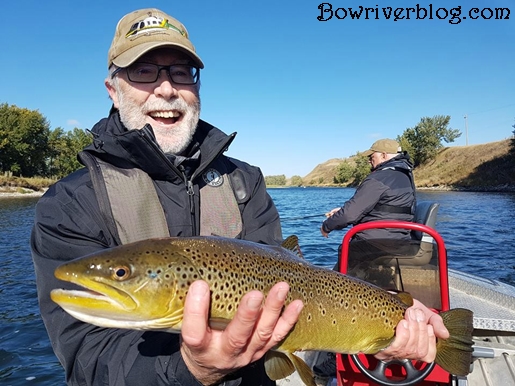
(420, 268)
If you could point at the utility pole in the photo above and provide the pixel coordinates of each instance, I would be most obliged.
(466, 131)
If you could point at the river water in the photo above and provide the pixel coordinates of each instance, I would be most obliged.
(477, 228)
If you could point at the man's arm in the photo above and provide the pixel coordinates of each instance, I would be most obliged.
(362, 202)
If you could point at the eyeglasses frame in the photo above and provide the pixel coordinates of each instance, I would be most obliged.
(159, 69)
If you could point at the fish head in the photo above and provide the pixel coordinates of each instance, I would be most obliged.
(138, 286)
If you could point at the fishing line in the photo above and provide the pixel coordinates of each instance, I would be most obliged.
(302, 218)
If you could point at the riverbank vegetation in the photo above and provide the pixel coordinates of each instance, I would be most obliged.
(33, 156)
(483, 167)
(21, 185)
(29, 148)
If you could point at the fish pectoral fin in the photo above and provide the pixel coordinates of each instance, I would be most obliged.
(218, 323)
(279, 365)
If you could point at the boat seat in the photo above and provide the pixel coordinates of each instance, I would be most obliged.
(408, 265)
(417, 251)
(425, 213)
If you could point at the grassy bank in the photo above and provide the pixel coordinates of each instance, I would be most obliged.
(484, 167)
(22, 185)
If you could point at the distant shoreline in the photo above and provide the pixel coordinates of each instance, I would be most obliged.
(490, 189)
(440, 188)
(26, 193)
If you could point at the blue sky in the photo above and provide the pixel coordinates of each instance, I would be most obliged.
(298, 91)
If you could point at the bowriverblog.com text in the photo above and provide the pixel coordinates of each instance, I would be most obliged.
(454, 15)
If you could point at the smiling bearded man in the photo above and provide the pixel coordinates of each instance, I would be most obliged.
(155, 169)
(172, 111)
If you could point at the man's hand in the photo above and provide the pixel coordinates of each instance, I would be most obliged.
(328, 214)
(415, 335)
(324, 233)
(256, 328)
(331, 212)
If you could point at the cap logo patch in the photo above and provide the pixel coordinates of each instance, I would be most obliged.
(213, 178)
(152, 24)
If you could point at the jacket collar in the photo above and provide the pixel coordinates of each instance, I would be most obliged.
(137, 148)
(401, 161)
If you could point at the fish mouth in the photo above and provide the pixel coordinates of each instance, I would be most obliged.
(104, 304)
(97, 296)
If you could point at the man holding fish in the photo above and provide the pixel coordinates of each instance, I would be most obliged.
(154, 147)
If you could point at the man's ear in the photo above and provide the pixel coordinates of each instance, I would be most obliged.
(113, 93)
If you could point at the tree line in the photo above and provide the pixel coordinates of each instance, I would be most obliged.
(422, 143)
(29, 148)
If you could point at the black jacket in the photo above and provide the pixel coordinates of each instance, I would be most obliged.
(389, 184)
(68, 224)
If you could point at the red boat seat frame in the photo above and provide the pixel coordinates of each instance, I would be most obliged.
(346, 372)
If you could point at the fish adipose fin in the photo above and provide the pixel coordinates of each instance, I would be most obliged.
(279, 365)
(454, 354)
(291, 243)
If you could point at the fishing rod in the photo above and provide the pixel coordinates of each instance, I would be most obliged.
(302, 218)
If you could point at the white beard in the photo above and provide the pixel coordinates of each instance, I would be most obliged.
(173, 141)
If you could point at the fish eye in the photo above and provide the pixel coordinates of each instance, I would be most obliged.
(121, 273)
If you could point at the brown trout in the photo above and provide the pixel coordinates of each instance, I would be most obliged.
(143, 286)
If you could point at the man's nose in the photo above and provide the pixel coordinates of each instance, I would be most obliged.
(165, 88)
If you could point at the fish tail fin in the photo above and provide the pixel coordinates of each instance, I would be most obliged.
(454, 354)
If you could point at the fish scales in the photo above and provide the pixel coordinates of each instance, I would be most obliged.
(333, 302)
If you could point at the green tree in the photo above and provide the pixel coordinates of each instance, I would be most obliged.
(362, 169)
(64, 147)
(344, 172)
(279, 180)
(405, 146)
(23, 141)
(296, 181)
(425, 139)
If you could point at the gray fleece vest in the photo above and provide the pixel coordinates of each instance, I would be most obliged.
(132, 211)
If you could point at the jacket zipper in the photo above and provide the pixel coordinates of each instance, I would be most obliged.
(147, 136)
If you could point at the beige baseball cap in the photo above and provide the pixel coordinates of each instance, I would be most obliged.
(144, 30)
(388, 146)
